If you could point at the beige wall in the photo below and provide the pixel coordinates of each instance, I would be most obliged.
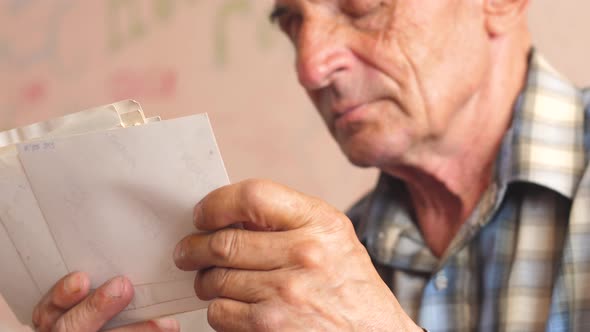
(561, 30)
(220, 57)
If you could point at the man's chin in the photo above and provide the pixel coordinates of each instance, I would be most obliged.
(372, 144)
(361, 156)
(372, 152)
(360, 163)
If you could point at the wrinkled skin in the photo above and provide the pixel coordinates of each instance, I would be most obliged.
(388, 77)
(399, 85)
(297, 266)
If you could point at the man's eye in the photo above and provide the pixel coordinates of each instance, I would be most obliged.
(368, 18)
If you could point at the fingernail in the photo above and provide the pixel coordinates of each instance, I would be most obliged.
(115, 288)
(178, 252)
(72, 284)
(167, 324)
(197, 214)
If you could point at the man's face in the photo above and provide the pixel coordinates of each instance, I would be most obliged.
(388, 77)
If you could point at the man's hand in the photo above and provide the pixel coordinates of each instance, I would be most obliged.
(70, 307)
(297, 265)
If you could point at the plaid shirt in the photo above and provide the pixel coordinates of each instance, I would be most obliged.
(521, 262)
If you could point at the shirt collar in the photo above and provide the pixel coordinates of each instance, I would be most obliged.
(545, 144)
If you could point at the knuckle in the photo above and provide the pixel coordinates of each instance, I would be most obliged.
(330, 219)
(348, 227)
(252, 191)
(308, 255)
(292, 291)
(339, 222)
(222, 244)
(345, 223)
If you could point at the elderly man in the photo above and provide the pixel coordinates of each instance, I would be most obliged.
(481, 217)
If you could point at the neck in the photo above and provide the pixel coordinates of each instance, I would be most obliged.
(446, 187)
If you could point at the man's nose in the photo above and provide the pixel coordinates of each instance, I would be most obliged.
(320, 55)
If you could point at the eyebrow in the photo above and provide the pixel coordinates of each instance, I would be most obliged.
(278, 12)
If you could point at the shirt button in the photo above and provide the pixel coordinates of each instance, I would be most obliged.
(441, 281)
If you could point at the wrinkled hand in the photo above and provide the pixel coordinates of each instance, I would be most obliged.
(297, 265)
(70, 307)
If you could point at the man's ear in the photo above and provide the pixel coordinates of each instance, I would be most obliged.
(504, 15)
